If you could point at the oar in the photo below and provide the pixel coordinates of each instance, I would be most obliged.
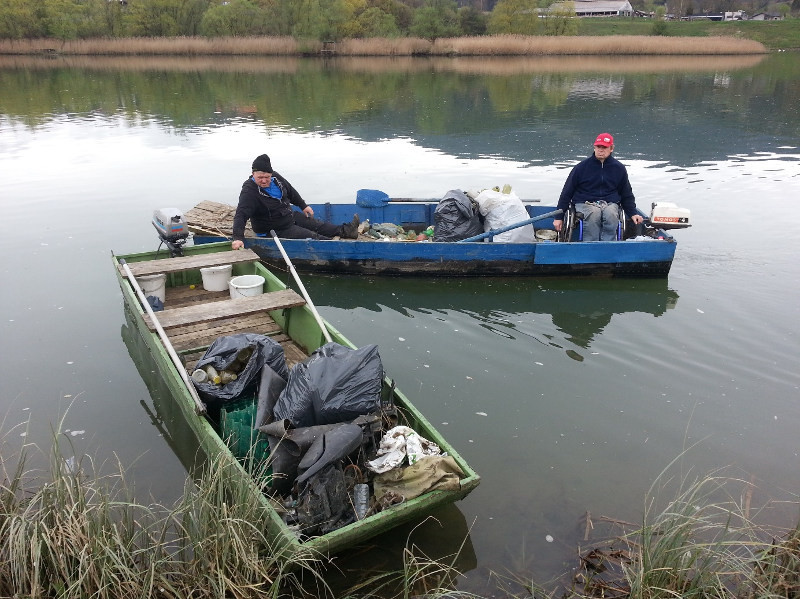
(199, 405)
(509, 227)
(302, 287)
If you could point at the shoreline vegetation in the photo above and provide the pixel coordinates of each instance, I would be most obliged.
(73, 532)
(485, 46)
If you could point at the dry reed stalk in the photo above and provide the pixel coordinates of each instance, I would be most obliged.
(500, 45)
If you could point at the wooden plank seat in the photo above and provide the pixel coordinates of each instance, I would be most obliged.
(182, 263)
(211, 311)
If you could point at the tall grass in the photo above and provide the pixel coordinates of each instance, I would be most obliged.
(70, 532)
(499, 45)
(703, 543)
(79, 534)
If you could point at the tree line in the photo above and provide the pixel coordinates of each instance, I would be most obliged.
(301, 19)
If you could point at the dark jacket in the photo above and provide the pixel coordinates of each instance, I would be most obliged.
(264, 212)
(592, 181)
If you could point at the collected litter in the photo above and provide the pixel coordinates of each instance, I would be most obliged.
(336, 453)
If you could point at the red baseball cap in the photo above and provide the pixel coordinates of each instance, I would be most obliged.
(604, 139)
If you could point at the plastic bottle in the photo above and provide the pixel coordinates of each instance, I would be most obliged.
(361, 500)
(199, 376)
(213, 375)
(429, 232)
(226, 376)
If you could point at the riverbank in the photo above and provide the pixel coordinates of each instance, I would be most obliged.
(502, 45)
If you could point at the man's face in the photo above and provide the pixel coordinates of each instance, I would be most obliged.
(602, 152)
(262, 179)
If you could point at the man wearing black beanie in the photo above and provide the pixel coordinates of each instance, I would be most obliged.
(266, 200)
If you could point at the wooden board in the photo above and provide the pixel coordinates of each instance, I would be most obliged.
(211, 311)
(214, 218)
(168, 265)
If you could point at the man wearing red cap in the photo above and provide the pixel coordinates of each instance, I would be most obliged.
(598, 186)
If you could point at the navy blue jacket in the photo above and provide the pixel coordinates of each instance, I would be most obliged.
(592, 181)
(264, 212)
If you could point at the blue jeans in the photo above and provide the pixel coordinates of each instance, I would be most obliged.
(600, 220)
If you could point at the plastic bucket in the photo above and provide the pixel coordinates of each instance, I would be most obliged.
(215, 278)
(154, 285)
(246, 286)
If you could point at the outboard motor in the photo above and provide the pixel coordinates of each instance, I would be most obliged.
(666, 215)
(172, 228)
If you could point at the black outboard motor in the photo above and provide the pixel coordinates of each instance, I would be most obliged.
(172, 229)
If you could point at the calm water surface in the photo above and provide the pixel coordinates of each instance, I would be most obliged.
(567, 396)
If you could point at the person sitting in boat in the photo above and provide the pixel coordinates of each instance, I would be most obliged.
(598, 186)
(266, 201)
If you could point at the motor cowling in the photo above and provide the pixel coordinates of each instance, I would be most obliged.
(172, 228)
(666, 215)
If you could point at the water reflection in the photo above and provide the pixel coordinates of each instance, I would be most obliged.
(498, 66)
(525, 109)
(579, 308)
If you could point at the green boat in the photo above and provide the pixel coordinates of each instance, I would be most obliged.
(193, 318)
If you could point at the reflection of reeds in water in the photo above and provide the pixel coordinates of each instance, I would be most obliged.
(500, 66)
(500, 45)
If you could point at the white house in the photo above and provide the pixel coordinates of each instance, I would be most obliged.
(599, 8)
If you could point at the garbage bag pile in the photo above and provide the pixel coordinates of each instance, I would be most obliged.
(336, 453)
(393, 232)
(458, 215)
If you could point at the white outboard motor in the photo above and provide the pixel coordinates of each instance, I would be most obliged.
(666, 215)
(173, 230)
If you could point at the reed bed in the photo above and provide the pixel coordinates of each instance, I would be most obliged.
(612, 45)
(72, 533)
(467, 65)
(80, 534)
(704, 543)
(499, 45)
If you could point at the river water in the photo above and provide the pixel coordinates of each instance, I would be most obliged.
(567, 396)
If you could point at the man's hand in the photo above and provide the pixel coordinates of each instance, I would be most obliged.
(308, 211)
(237, 244)
(637, 219)
(557, 225)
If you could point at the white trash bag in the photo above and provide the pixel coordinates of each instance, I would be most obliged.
(503, 209)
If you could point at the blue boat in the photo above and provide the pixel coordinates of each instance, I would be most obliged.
(648, 255)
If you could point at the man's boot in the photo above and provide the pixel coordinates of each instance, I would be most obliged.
(350, 230)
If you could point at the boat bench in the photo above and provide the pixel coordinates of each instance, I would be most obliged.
(182, 263)
(211, 311)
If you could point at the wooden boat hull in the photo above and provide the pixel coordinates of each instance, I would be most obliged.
(630, 258)
(296, 329)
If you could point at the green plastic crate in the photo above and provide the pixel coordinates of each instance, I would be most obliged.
(236, 428)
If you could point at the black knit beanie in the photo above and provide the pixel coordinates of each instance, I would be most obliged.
(262, 163)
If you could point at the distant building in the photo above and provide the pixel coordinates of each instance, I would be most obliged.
(765, 16)
(738, 15)
(598, 8)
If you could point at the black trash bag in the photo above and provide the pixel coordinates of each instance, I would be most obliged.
(335, 384)
(329, 447)
(287, 447)
(456, 217)
(324, 504)
(270, 385)
(222, 354)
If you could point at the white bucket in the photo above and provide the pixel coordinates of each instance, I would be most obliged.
(154, 285)
(215, 278)
(246, 285)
